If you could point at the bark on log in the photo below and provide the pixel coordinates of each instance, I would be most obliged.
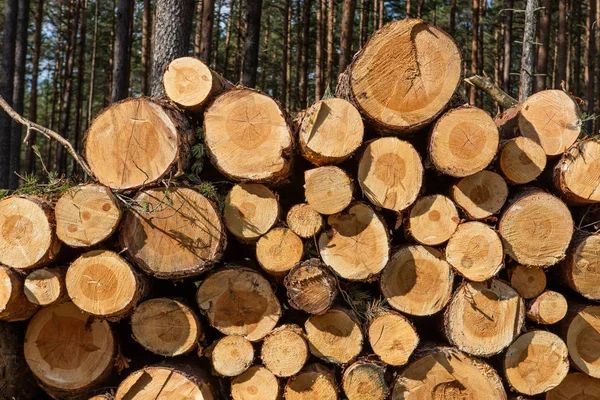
(521, 160)
(284, 351)
(577, 174)
(548, 308)
(433, 220)
(311, 287)
(250, 211)
(14, 304)
(46, 286)
(328, 189)
(365, 380)
(581, 268)
(304, 220)
(529, 282)
(278, 251)
(232, 355)
(393, 338)
(480, 195)
(16, 380)
(576, 385)
(257, 383)
(314, 382)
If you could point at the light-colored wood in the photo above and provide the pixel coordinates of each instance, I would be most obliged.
(328, 189)
(335, 336)
(102, 283)
(330, 131)
(304, 220)
(105, 396)
(393, 338)
(536, 362)
(315, 382)
(278, 251)
(356, 245)
(551, 118)
(480, 195)
(446, 373)
(404, 76)
(257, 383)
(166, 327)
(548, 308)
(475, 251)
(14, 304)
(529, 282)
(522, 160)
(68, 350)
(284, 351)
(311, 286)
(176, 233)
(433, 220)
(46, 286)
(248, 137)
(577, 174)
(536, 229)
(239, 302)
(583, 336)
(581, 268)
(365, 380)
(251, 209)
(390, 173)
(27, 234)
(483, 319)
(463, 141)
(576, 386)
(137, 142)
(191, 84)
(417, 280)
(86, 215)
(232, 355)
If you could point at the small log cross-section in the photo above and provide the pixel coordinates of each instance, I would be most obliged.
(46, 286)
(86, 215)
(284, 351)
(14, 303)
(278, 251)
(484, 318)
(173, 233)
(27, 234)
(314, 382)
(529, 282)
(335, 337)
(356, 246)
(463, 141)
(232, 355)
(393, 338)
(239, 302)
(304, 220)
(311, 286)
(522, 160)
(404, 76)
(433, 220)
(548, 308)
(480, 195)
(581, 269)
(577, 174)
(257, 383)
(536, 362)
(69, 351)
(365, 380)
(327, 189)
(248, 137)
(390, 173)
(576, 386)
(583, 335)
(137, 142)
(166, 327)
(330, 131)
(251, 209)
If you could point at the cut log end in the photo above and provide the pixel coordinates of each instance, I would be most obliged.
(311, 287)
(304, 220)
(577, 174)
(278, 251)
(365, 380)
(250, 210)
(284, 351)
(232, 355)
(522, 160)
(315, 382)
(574, 386)
(257, 383)
(548, 308)
(480, 195)
(582, 267)
(328, 190)
(335, 336)
(45, 286)
(529, 282)
(390, 173)
(14, 302)
(393, 338)
(433, 220)
(583, 336)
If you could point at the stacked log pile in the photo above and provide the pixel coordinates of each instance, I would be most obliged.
(389, 242)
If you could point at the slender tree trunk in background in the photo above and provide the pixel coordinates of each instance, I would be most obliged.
(497, 56)
(528, 55)
(170, 38)
(35, 67)
(288, 52)
(120, 82)
(408, 8)
(304, 57)
(111, 60)
(363, 22)
(330, 26)
(319, 51)
(541, 69)
(375, 13)
(589, 72)
(80, 76)
(435, 12)
(577, 55)
(93, 67)
(347, 28)
(474, 49)
(381, 13)
(452, 28)
(252, 42)
(7, 73)
(265, 53)
(299, 50)
(228, 38)
(217, 35)
(507, 45)
(146, 35)
(198, 31)
(420, 8)
(285, 71)
(481, 48)
(208, 14)
(561, 56)
(237, 72)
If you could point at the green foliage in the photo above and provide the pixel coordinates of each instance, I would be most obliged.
(30, 185)
(585, 118)
(362, 302)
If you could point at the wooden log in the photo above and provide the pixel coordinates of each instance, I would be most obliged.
(191, 84)
(104, 396)
(46, 286)
(529, 282)
(69, 351)
(582, 338)
(248, 137)
(175, 233)
(232, 355)
(581, 269)
(335, 336)
(417, 280)
(577, 174)
(365, 380)
(480, 195)
(433, 220)
(16, 380)
(446, 373)
(102, 283)
(304, 220)
(404, 76)
(250, 210)
(86, 215)
(536, 362)
(278, 251)
(284, 351)
(315, 382)
(168, 381)
(27, 236)
(393, 338)
(536, 229)
(311, 287)
(483, 319)
(475, 251)
(257, 383)
(328, 189)
(137, 142)
(463, 141)
(390, 173)
(14, 304)
(166, 327)
(575, 386)
(330, 131)
(356, 245)
(521, 160)
(239, 302)
(548, 308)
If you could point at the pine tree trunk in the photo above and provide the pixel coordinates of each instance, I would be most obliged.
(319, 50)
(590, 72)
(252, 43)
(288, 51)
(474, 49)
(285, 76)
(452, 27)
(420, 8)
(303, 83)
(541, 69)
(508, 25)
(265, 55)
(238, 44)
(577, 37)
(79, 124)
(121, 66)
(330, 30)
(93, 67)
(528, 54)
(346, 33)
(146, 37)
(408, 6)
(228, 38)
(217, 35)
(198, 29)
(208, 15)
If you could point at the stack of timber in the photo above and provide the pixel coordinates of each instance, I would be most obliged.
(390, 242)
